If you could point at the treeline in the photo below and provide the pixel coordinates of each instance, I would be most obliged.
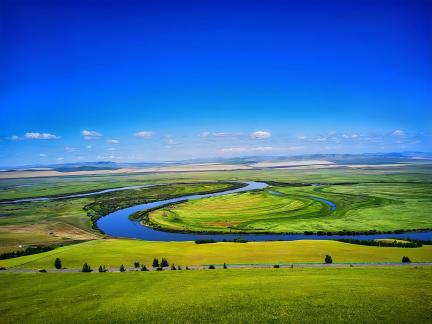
(28, 251)
(207, 241)
(370, 232)
(395, 243)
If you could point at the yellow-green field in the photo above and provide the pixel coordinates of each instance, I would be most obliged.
(114, 252)
(350, 295)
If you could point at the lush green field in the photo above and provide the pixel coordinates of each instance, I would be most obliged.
(114, 252)
(359, 207)
(353, 295)
(386, 198)
(68, 220)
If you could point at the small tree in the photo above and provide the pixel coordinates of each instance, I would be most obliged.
(225, 266)
(406, 259)
(211, 266)
(102, 268)
(164, 263)
(173, 267)
(276, 266)
(159, 268)
(187, 268)
(155, 263)
(144, 268)
(122, 268)
(328, 259)
(86, 267)
(136, 264)
(57, 263)
(179, 267)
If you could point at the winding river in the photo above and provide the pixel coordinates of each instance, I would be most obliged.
(118, 223)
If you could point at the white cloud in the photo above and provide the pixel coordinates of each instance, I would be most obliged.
(89, 147)
(70, 149)
(43, 155)
(35, 136)
(261, 135)
(144, 134)
(113, 141)
(60, 159)
(205, 134)
(399, 132)
(88, 134)
(111, 149)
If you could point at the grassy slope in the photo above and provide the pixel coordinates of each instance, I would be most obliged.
(354, 295)
(113, 252)
(360, 207)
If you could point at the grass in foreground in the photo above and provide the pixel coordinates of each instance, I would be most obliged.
(351, 295)
(114, 252)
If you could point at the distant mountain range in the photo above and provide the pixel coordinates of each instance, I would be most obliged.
(365, 158)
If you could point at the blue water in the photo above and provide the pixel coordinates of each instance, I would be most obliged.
(118, 224)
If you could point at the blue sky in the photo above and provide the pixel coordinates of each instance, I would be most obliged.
(159, 80)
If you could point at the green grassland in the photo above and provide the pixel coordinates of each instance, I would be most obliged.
(68, 220)
(53, 186)
(114, 252)
(353, 295)
(359, 207)
(386, 198)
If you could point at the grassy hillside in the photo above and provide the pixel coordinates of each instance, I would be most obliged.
(114, 252)
(387, 295)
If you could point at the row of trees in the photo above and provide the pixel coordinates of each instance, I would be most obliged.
(159, 266)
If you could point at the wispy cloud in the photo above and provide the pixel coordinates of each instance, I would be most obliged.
(259, 149)
(43, 155)
(260, 135)
(399, 133)
(113, 141)
(70, 149)
(34, 136)
(144, 134)
(89, 134)
(219, 134)
(60, 158)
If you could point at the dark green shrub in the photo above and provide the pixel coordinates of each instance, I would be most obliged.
(179, 268)
(136, 264)
(155, 263)
(57, 263)
(159, 268)
(211, 266)
(42, 270)
(164, 263)
(406, 259)
(102, 269)
(276, 266)
(204, 241)
(328, 259)
(187, 268)
(122, 268)
(173, 267)
(225, 266)
(86, 268)
(144, 268)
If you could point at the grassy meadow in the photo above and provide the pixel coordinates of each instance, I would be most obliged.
(114, 252)
(359, 207)
(350, 295)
